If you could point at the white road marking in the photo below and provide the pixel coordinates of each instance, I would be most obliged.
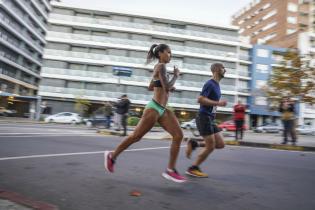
(77, 153)
(71, 133)
(55, 135)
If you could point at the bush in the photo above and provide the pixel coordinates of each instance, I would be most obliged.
(133, 121)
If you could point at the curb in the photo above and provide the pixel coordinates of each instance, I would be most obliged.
(27, 122)
(106, 133)
(228, 142)
(264, 145)
(25, 201)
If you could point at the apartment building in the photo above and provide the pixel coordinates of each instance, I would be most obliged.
(274, 22)
(22, 41)
(306, 46)
(264, 59)
(84, 48)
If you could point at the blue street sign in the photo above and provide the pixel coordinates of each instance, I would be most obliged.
(122, 71)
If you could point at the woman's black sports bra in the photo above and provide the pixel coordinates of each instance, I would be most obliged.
(157, 83)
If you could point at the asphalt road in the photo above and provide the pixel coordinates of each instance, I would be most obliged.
(63, 165)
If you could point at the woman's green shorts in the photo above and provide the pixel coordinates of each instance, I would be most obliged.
(156, 106)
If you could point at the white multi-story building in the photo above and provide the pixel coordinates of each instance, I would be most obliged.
(85, 46)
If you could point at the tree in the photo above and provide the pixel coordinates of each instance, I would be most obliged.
(82, 106)
(294, 78)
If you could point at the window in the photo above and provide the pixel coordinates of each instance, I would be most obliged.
(292, 7)
(260, 83)
(261, 101)
(266, 6)
(270, 36)
(263, 53)
(270, 25)
(292, 20)
(261, 68)
(240, 22)
(291, 31)
(270, 14)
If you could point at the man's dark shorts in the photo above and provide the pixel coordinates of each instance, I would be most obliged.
(206, 125)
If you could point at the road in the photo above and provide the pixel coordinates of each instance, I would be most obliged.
(63, 165)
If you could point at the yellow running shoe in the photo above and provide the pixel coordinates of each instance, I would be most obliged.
(196, 172)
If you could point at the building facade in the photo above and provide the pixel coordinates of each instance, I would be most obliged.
(264, 58)
(275, 22)
(306, 46)
(22, 41)
(84, 47)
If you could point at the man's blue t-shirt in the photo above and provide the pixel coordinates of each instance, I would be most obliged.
(211, 90)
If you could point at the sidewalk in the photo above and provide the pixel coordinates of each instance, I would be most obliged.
(19, 120)
(271, 141)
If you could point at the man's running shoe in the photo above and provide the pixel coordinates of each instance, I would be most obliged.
(196, 172)
(191, 146)
(109, 161)
(174, 176)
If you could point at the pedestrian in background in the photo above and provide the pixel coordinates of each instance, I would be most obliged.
(122, 109)
(239, 119)
(287, 110)
(108, 112)
(125, 105)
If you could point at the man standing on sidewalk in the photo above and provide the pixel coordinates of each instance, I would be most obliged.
(122, 109)
(288, 119)
(209, 99)
(239, 118)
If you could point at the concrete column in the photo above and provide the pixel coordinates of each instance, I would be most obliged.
(38, 109)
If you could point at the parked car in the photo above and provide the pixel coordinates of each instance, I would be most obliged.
(268, 128)
(230, 126)
(96, 121)
(306, 130)
(189, 124)
(64, 117)
(7, 112)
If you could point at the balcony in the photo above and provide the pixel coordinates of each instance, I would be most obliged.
(100, 95)
(146, 27)
(102, 77)
(6, 40)
(128, 61)
(18, 31)
(136, 44)
(22, 19)
(40, 8)
(30, 10)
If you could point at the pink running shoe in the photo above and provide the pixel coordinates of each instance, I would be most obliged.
(109, 161)
(174, 176)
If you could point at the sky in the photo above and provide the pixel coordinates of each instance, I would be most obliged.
(217, 12)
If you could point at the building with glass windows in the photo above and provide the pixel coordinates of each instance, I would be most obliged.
(86, 48)
(264, 58)
(22, 41)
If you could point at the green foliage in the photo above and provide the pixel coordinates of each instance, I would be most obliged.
(133, 121)
(82, 106)
(293, 78)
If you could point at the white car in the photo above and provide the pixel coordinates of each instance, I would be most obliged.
(64, 117)
(269, 128)
(306, 130)
(189, 124)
